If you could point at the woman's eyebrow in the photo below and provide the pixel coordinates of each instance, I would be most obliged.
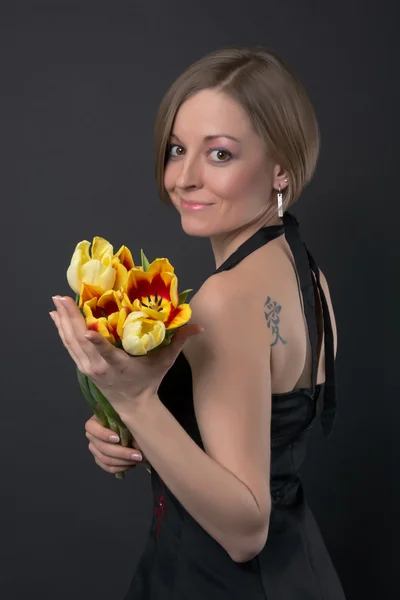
(208, 138)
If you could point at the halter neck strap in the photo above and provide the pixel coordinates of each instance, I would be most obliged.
(258, 239)
(306, 266)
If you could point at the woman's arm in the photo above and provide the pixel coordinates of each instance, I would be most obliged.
(226, 488)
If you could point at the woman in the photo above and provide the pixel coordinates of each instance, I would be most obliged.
(223, 414)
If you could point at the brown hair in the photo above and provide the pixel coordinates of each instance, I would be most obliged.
(273, 98)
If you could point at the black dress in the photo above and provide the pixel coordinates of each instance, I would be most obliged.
(181, 561)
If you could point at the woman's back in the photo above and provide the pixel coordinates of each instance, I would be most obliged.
(271, 278)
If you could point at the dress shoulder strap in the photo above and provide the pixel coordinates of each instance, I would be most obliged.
(328, 402)
(262, 236)
(306, 267)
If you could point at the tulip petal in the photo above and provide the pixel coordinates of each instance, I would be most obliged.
(88, 292)
(121, 276)
(89, 309)
(96, 273)
(157, 315)
(125, 257)
(160, 285)
(102, 250)
(133, 344)
(79, 257)
(138, 284)
(179, 316)
(160, 265)
(122, 315)
(126, 302)
(84, 247)
(101, 326)
(112, 321)
(109, 302)
(136, 305)
(141, 335)
(173, 291)
(95, 320)
(134, 317)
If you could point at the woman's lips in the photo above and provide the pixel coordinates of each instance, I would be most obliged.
(193, 205)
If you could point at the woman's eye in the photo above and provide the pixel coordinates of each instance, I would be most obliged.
(179, 150)
(221, 155)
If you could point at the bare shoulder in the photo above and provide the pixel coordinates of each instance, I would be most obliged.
(216, 293)
(234, 305)
(227, 308)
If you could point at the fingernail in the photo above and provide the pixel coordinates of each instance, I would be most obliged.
(136, 456)
(52, 316)
(113, 438)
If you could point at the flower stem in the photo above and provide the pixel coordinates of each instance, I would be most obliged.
(105, 413)
(126, 436)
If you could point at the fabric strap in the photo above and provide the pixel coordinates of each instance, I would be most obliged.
(306, 265)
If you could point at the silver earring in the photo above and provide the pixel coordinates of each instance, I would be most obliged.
(280, 202)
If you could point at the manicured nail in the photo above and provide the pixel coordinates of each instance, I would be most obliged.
(136, 456)
(52, 316)
(113, 438)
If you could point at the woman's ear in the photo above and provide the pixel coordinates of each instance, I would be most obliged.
(280, 178)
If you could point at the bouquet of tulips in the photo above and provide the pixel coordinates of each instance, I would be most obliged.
(137, 308)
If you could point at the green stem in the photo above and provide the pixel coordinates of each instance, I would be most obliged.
(97, 410)
(126, 442)
(101, 417)
(104, 404)
(126, 437)
(104, 412)
(83, 384)
(113, 419)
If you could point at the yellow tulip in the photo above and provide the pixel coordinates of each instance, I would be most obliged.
(141, 334)
(93, 266)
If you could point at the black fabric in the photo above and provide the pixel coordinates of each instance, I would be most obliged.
(306, 265)
(181, 561)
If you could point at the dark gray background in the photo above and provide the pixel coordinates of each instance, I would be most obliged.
(80, 85)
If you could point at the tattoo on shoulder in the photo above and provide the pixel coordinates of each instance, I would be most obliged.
(271, 313)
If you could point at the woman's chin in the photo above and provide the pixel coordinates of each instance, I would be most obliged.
(196, 228)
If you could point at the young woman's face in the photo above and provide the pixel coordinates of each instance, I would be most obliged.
(218, 175)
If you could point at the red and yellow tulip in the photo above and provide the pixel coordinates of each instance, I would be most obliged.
(157, 291)
(106, 316)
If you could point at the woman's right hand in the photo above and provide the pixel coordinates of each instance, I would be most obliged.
(108, 453)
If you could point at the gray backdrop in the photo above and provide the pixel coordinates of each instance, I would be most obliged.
(80, 85)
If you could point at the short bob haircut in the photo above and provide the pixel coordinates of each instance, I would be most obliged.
(274, 100)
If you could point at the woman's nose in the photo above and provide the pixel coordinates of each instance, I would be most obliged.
(190, 174)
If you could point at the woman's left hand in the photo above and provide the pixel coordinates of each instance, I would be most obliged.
(124, 380)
